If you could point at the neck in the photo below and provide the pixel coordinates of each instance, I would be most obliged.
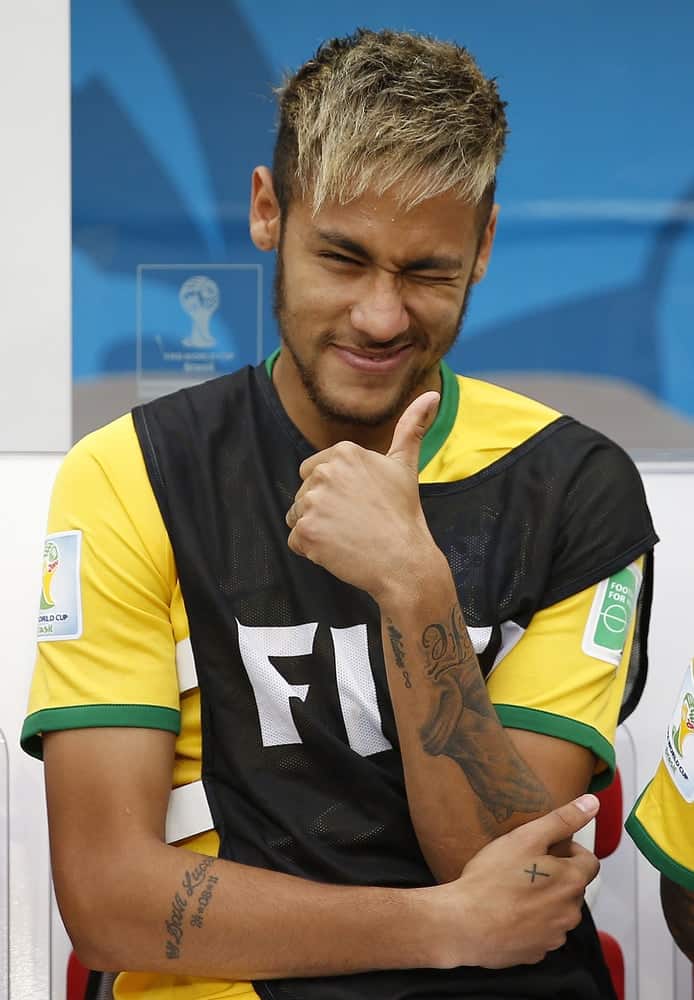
(320, 429)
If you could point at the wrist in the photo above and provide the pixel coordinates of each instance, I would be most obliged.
(441, 914)
(423, 572)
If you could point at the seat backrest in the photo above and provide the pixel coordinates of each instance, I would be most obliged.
(609, 821)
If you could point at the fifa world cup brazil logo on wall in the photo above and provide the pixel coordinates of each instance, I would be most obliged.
(686, 727)
(199, 297)
(51, 558)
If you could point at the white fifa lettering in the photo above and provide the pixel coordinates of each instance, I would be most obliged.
(272, 692)
(357, 691)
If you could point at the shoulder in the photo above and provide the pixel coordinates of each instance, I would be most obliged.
(485, 422)
(109, 455)
(503, 418)
(103, 489)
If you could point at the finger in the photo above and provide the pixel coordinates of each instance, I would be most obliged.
(292, 516)
(295, 545)
(585, 861)
(411, 428)
(560, 823)
(309, 464)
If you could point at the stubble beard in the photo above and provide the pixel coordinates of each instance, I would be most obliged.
(330, 408)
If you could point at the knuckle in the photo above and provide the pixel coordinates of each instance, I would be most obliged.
(319, 475)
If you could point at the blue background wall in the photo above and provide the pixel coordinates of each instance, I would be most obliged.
(593, 271)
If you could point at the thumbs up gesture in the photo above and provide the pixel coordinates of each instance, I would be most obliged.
(357, 513)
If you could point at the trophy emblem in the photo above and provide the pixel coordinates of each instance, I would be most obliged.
(187, 318)
(199, 297)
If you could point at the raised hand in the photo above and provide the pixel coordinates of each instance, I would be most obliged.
(357, 512)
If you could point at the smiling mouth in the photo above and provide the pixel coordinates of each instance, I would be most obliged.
(380, 353)
(379, 362)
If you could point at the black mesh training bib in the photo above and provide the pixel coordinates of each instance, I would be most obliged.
(300, 753)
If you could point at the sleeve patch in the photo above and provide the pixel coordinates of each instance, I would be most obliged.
(678, 753)
(60, 605)
(611, 615)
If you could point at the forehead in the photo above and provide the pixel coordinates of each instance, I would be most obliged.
(381, 224)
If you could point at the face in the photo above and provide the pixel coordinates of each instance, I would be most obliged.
(369, 297)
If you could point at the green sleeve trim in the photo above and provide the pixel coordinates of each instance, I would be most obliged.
(445, 418)
(656, 855)
(270, 361)
(50, 720)
(537, 721)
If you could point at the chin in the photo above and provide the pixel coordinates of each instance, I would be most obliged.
(351, 412)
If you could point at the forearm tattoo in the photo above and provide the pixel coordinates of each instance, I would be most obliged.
(464, 726)
(398, 652)
(187, 908)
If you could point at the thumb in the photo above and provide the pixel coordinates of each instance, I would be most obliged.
(411, 428)
(561, 823)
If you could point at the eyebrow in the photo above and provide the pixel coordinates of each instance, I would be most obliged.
(435, 262)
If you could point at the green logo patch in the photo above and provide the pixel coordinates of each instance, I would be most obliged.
(611, 615)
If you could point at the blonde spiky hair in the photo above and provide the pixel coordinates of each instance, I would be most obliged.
(378, 109)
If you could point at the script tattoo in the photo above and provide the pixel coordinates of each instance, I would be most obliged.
(463, 726)
(190, 883)
(398, 652)
(204, 901)
(174, 926)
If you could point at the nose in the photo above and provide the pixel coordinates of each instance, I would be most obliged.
(379, 312)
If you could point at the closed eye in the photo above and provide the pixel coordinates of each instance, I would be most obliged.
(431, 279)
(340, 258)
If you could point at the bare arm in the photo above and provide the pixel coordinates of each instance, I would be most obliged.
(678, 907)
(469, 780)
(129, 901)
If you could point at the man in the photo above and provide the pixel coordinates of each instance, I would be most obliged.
(662, 821)
(328, 673)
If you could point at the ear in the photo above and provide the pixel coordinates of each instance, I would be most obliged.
(264, 216)
(484, 252)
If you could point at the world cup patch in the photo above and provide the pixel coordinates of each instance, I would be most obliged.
(678, 753)
(611, 615)
(60, 604)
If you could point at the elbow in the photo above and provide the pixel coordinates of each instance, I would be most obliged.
(92, 930)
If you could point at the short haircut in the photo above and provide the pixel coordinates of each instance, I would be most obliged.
(377, 109)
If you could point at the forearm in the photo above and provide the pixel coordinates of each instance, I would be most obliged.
(678, 907)
(181, 913)
(466, 783)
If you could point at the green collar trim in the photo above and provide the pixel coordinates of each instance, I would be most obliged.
(445, 418)
(270, 361)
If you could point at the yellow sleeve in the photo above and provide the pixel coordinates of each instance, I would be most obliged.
(106, 647)
(558, 680)
(662, 821)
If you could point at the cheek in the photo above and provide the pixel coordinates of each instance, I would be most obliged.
(435, 311)
(312, 295)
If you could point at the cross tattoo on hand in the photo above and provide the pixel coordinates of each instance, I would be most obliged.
(535, 872)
